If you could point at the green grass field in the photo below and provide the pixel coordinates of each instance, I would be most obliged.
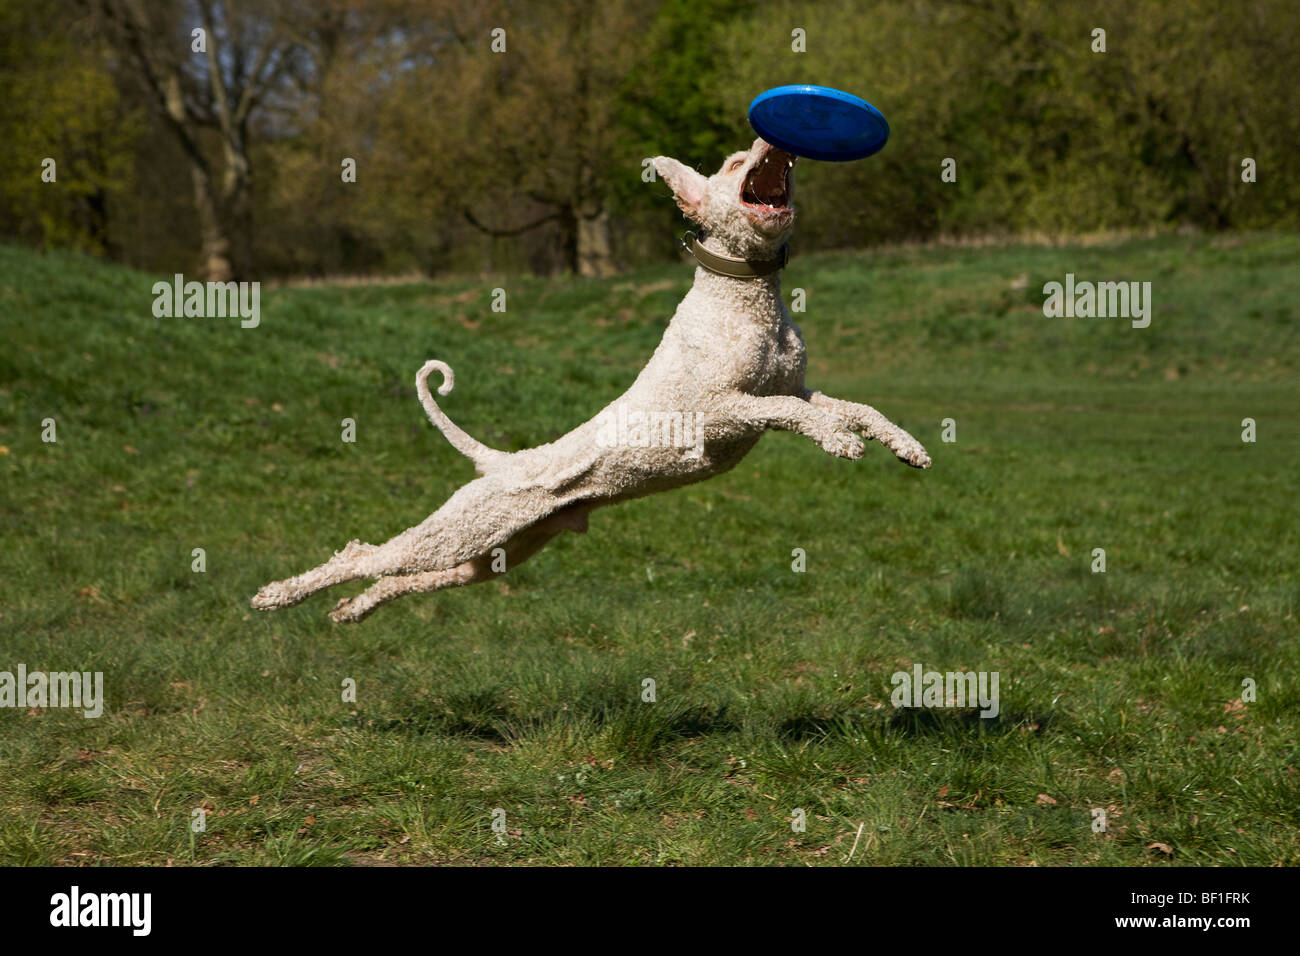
(1119, 691)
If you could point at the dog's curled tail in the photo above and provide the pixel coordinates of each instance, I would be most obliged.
(471, 448)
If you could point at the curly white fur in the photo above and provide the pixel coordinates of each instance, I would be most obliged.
(730, 358)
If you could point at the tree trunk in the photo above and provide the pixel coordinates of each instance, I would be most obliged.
(236, 207)
(594, 251)
(214, 254)
(97, 223)
(568, 221)
(225, 220)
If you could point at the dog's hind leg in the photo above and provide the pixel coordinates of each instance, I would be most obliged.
(349, 610)
(482, 515)
(483, 568)
(429, 546)
(346, 565)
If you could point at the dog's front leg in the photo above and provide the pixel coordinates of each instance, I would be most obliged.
(873, 425)
(787, 413)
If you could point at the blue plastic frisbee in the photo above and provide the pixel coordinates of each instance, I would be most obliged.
(817, 122)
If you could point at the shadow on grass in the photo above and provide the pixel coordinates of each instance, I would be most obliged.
(963, 722)
(642, 730)
(634, 726)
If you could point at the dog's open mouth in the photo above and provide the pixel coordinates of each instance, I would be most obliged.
(766, 187)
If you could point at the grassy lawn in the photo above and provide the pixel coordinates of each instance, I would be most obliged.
(1119, 690)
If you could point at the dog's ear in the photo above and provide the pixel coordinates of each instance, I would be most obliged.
(687, 185)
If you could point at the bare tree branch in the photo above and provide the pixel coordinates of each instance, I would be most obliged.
(501, 233)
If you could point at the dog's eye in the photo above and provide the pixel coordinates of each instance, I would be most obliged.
(736, 164)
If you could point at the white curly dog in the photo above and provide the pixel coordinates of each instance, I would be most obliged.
(730, 361)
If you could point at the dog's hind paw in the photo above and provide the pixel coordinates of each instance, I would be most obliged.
(280, 594)
(349, 611)
(271, 596)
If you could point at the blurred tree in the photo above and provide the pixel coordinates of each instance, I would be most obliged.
(670, 101)
(670, 104)
(324, 223)
(526, 135)
(1046, 134)
(246, 54)
(522, 149)
(60, 103)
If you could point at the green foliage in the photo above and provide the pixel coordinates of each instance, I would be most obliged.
(670, 102)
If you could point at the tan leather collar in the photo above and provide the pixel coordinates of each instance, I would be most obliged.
(734, 268)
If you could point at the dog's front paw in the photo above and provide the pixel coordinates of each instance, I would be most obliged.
(842, 443)
(907, 449)
(919, 458)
